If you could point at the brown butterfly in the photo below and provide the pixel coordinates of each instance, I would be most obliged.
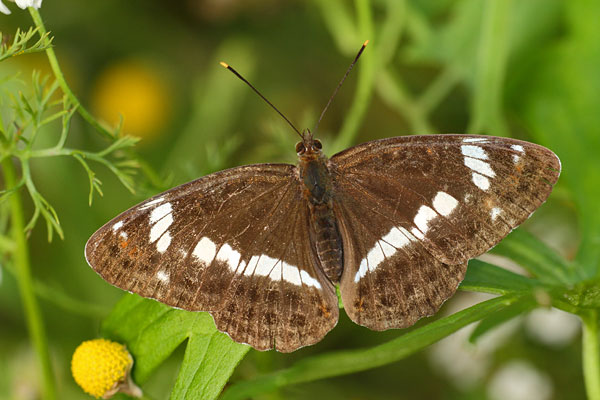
(262, 247)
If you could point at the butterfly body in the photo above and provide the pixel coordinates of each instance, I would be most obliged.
(261, 247)
(318, 194)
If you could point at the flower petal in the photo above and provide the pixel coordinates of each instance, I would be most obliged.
(29, 3)
(4, 9)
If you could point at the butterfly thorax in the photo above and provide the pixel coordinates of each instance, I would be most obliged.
(316, 180)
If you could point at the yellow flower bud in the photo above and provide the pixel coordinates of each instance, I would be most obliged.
(102, 367)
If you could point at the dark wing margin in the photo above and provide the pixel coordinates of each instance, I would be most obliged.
(431, 203)
(235, 244)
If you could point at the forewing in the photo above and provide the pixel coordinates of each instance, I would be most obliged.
(460, 195)
(440, 200)
(234, 243)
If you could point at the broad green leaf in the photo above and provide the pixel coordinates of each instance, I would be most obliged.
(498, 318)
(152, 331)
(536, 257)
(347, 362)
(207, 365)
(488, 278)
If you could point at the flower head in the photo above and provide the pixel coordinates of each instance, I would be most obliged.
(102, 367)
(23, 4)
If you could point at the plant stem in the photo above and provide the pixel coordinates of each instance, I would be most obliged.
(395, 95)
(37, 19)
(340, 25)
(591, 354)
(60, 78)
(351, 361)
(492, 58)
(366, 74)
(35, 324)
(438, 90)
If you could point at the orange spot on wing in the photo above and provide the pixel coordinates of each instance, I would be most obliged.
(324, 310)
(519, 168)
(133, 252)
(359, 306)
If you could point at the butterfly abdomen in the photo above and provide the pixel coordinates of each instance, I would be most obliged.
(324, 231)
(327, 241)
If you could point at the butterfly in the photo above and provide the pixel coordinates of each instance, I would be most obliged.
(262, 247)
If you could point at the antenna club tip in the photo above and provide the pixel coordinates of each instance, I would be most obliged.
(224, 64)
(366, 42)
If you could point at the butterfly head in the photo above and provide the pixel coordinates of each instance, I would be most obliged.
(309, 146)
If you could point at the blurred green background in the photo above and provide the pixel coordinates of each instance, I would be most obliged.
(528, 69)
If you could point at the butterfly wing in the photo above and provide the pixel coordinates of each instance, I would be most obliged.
(233, 243)
(432, 203)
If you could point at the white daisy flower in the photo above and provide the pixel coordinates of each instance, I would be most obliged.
(22, 4)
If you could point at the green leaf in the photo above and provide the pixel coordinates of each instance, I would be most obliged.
(152, 331)
(41, 206)
(488, 278)
(202, 374)
(499, 317)
(347, 362)
(537, 258)
(19, 44)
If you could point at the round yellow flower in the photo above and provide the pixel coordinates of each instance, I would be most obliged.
(137, 92)
(102, 367)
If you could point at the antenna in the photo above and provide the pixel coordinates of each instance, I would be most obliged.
(340, 84)
(227, 66)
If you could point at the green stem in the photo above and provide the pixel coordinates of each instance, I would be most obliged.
(56, 296)
(351, 361)
(591, 354)
(33, 316)
(60, 78)
(492, 57)
(340, 25)
(396, 96)
(366, 73)
(391, 31)
(438, 90)
(37, 19)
